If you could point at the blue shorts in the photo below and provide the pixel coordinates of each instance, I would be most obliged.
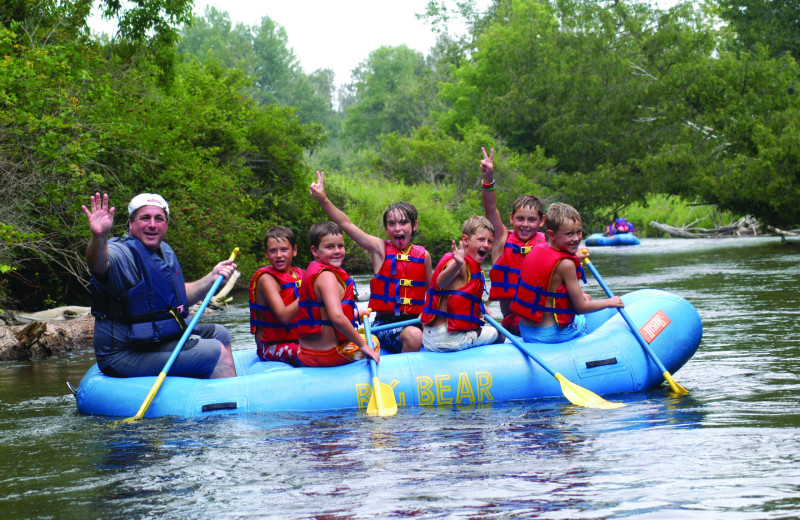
(197, 358)
(554, 333)
(390, 338)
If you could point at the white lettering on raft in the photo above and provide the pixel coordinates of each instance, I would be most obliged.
(654, 326)
(436, 390)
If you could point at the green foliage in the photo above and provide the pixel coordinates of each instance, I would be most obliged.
(631, 100)
(73, 123)
(388, 95)
(430, 156)
(147, 31)
(743, 133)
(774, 24)
(609, 106)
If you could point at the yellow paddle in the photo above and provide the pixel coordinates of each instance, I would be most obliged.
(577, 395)
(186, 333)
(678, 389)
(382, 401)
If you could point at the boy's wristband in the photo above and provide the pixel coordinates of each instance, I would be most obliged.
(488, 187)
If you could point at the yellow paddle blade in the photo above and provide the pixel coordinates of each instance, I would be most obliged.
(678, 389)
(381, 402)
(582, 397)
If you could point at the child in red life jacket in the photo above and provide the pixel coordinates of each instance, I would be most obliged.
(549, 297)
(402, 270)
(453, 314)
(510, 246)
(327, 321)
(273, 299)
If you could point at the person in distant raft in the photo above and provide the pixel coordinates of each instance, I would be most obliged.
(328, 318)
(510, 247)
(274, 297)
(140, 299)
(453, 313)
(619, 225)
(549, 297)
(402, 270)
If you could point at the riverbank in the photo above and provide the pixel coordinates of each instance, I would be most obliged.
(46, 337)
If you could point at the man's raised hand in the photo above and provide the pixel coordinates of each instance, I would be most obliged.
(101, 216)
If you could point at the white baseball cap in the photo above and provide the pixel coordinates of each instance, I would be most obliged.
(147, 199)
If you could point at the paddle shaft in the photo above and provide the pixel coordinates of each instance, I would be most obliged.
(177, 350)
(677, 388)
(395, 325)
(517, 343)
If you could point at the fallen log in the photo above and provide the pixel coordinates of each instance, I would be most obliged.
(40, 339)
(745, 226)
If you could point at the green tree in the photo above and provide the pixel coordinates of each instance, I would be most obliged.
(772, 23)
(387, 95)
(585, 82)
(740, 150)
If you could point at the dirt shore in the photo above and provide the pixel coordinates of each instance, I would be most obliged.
(48, 333)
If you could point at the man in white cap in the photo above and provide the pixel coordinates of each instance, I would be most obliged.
(139, 297)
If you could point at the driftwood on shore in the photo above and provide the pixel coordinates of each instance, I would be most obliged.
(41, 339)
(745, 226)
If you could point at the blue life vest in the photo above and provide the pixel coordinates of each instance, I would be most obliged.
(155, 306)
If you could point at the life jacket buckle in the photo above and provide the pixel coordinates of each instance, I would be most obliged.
(525, 249)
(402, 257)
(405, 282)
(405, 301)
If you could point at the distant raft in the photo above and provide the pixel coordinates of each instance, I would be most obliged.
(608, 360)
(620, 239)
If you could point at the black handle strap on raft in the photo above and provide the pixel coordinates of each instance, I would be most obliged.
(601, 362)
(219, 406)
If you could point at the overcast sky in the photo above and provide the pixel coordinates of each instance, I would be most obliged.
(336, 35)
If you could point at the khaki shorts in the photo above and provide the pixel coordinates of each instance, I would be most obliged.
(437, 339)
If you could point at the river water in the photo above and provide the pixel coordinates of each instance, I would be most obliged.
(731, 449)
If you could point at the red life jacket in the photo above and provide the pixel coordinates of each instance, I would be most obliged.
(399, 287)
(505, 273)
(464, 305)
(273, 331)
(533, 297)
(310, 322)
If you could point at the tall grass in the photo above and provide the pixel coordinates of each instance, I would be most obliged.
(674, 211)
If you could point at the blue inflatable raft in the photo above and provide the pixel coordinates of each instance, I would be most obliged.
(609, 360)
(620, 239)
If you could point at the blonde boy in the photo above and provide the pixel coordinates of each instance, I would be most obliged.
(452, 316)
